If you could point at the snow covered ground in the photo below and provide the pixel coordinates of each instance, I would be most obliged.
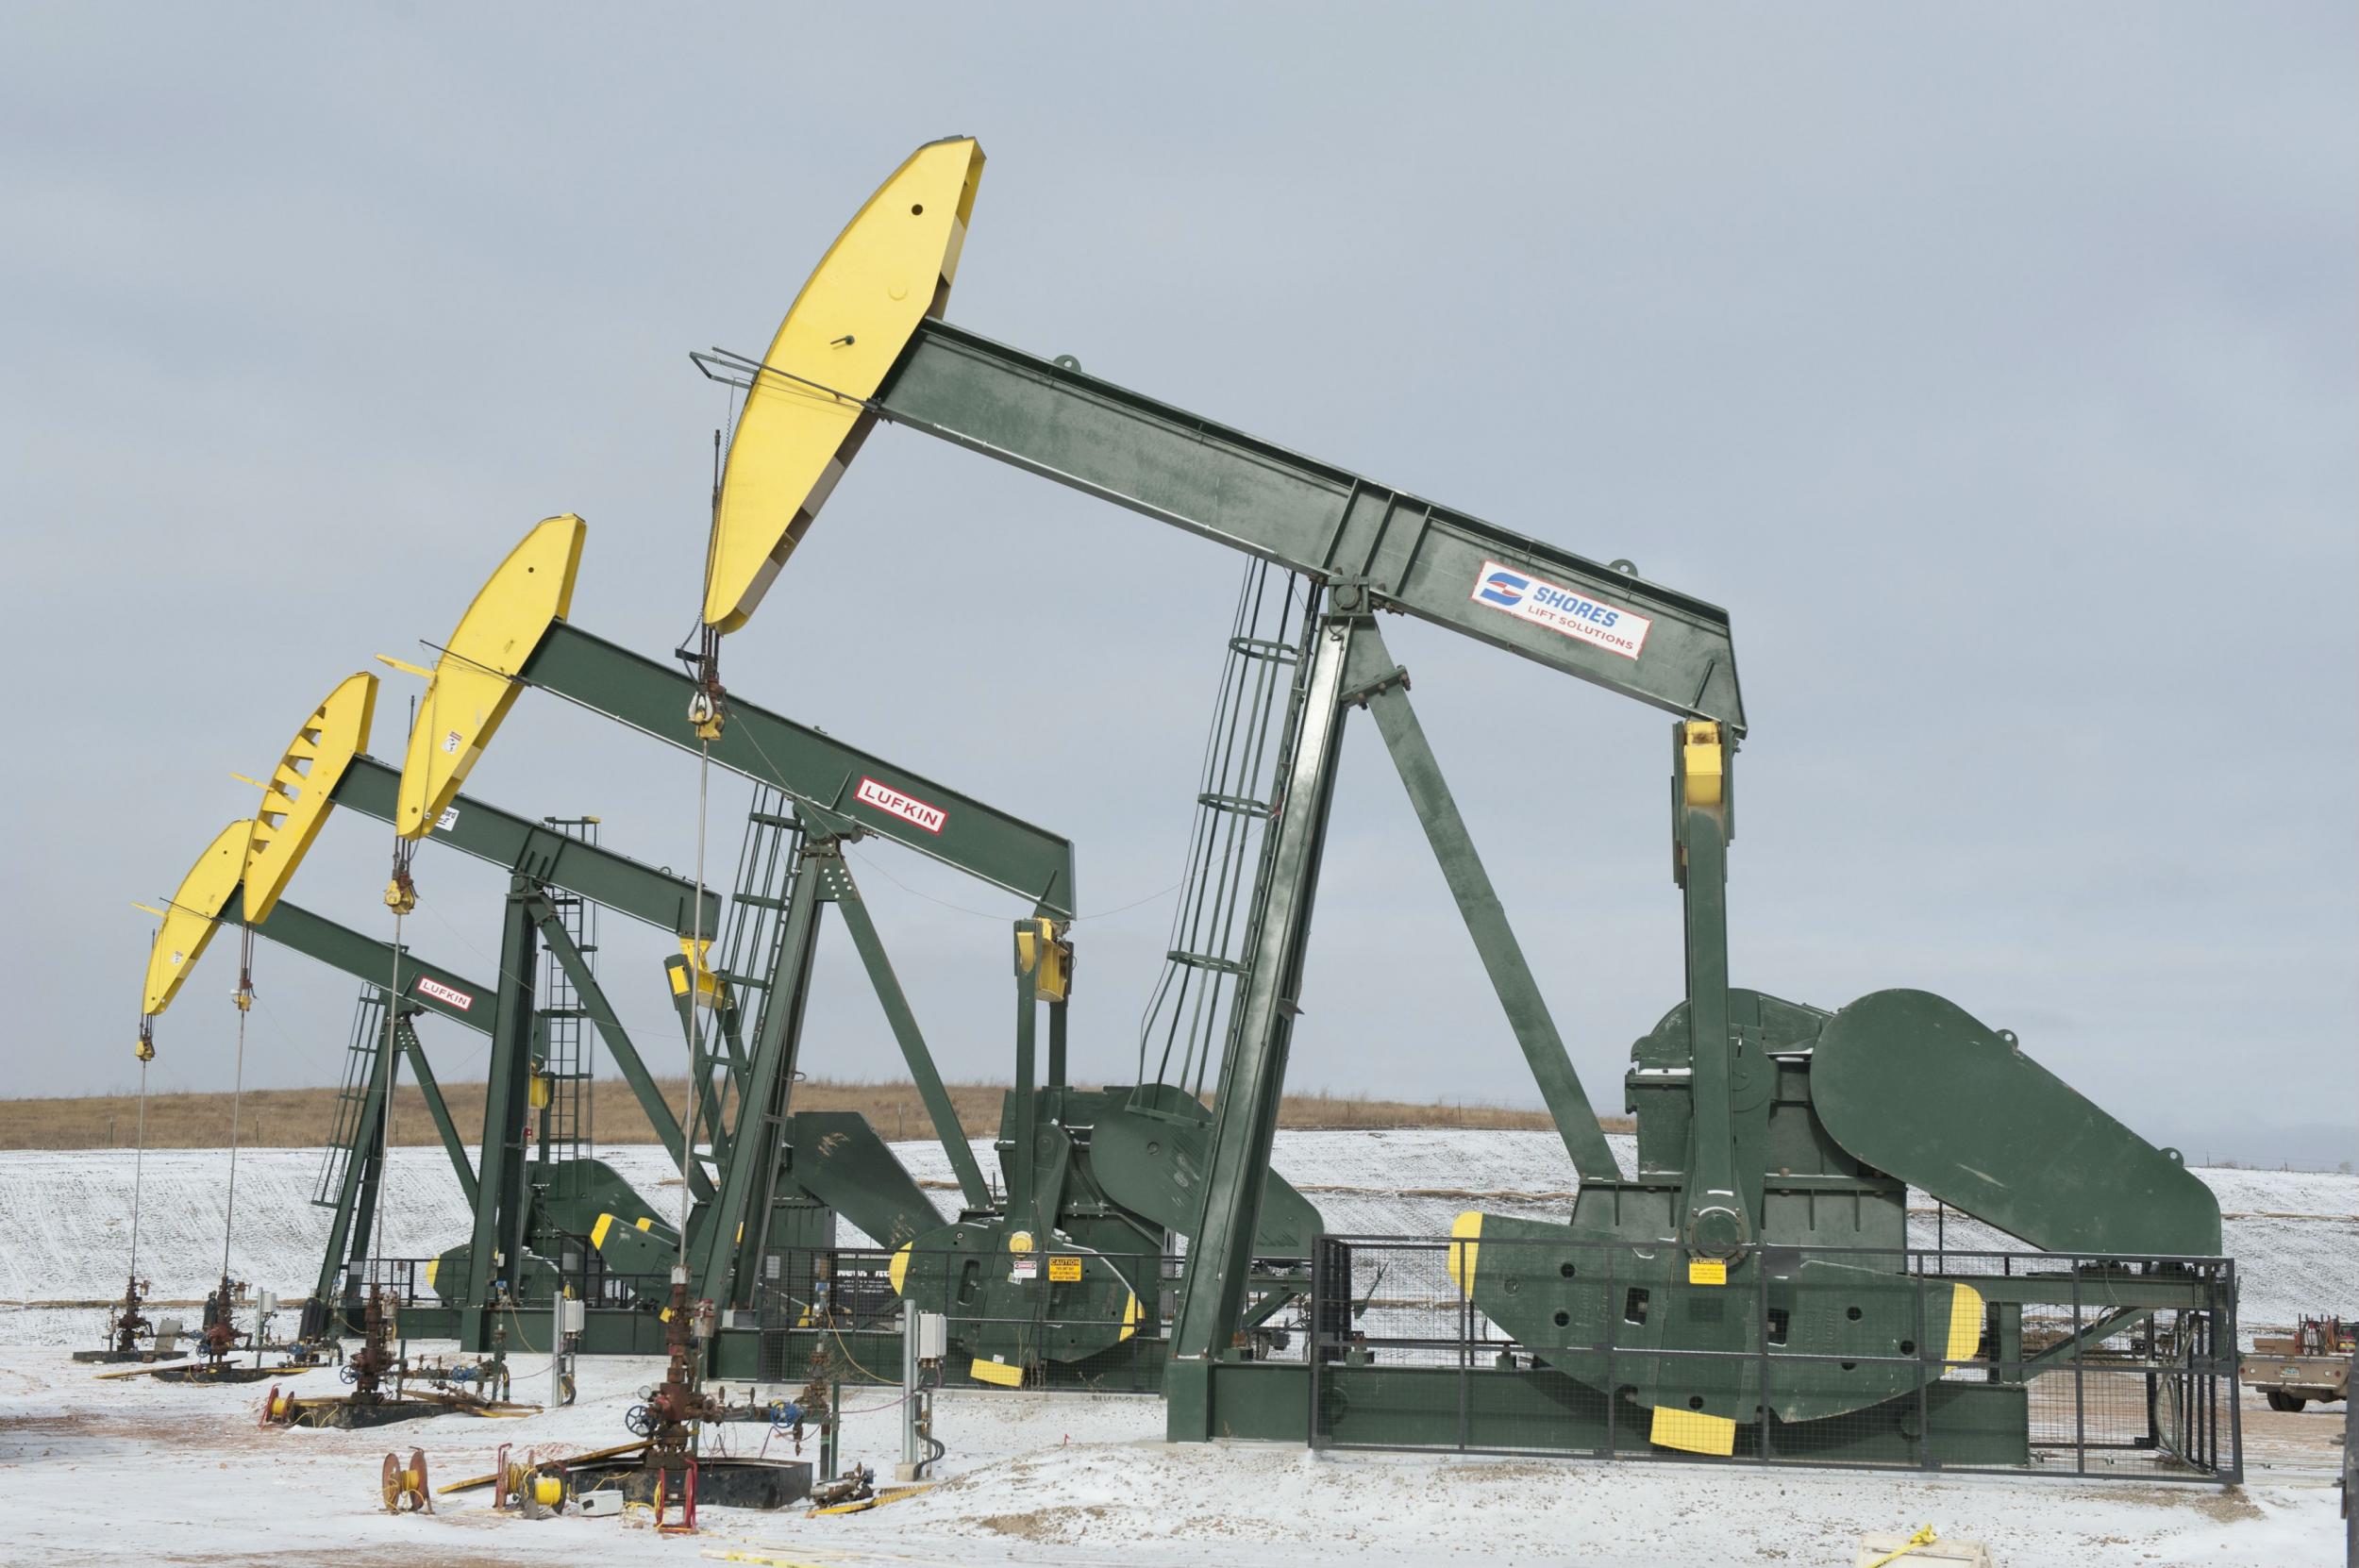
(99, 1472)
(106, 1471)
(65, 1216)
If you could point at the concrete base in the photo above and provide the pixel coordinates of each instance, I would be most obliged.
(1877, 1549)
(723, 1483)
(197, 1371)
(348, 1415)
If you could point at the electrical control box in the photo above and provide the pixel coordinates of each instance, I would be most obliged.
(933, 1336)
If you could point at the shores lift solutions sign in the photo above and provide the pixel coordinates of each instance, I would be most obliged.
(1560, 610)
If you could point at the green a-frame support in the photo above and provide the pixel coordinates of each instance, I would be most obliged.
(726, 1258)
(539, 859)
(840, 795)
(1369, 548)
(399, 985)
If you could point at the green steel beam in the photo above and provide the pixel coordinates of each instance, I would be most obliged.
(1253, 1067)
(428, 986)
(1571, 613)
(2092, 1289)
(1486, 919)
(355, 1220)
(536, 850)
(1031, 1205)
(740, 1215)
(356, 1193)
(497, 1240)
(706, 1114)
(913, 1042)
(2070, 1348)
(1720, 1198)
(814, 768)
(568, 955)
(435, 1107)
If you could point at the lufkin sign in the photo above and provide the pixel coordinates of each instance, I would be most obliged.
(893, 803)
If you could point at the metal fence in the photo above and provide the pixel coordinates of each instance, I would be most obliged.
(842, 1299)
(2087, 1366)
(591, 1281)
(2350, 1467)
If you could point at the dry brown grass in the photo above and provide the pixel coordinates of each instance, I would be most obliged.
(302, 1118)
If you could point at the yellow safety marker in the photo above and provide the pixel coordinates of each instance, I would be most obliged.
(473, 682)
(899, 1268)
(1130, 1316)
(190, 916)
(1692, 1431)
(1703, 762)
(1966, 1323)
(297, 801)
(1707, 1270)
(998, 1373)
(806, 414)
(1460, 1258)
(1041, 952)
(1064, 1269)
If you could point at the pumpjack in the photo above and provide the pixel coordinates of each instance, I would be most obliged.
(1112, 1220)
(546, 1208)
(1765, 1125)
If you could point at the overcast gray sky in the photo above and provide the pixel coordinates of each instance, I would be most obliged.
(1993, 365)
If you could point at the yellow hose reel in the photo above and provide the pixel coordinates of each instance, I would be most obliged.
(404, 1486)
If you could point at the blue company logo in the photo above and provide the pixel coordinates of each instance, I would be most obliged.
(1504, 588)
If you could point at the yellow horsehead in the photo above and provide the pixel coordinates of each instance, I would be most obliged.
(260, 853)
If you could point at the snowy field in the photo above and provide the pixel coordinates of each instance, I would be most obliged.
(65, 1214)
(107, 1471)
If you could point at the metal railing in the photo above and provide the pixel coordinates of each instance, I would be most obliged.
(2350, 1467)
(2080, 1365)
(842, 1298)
